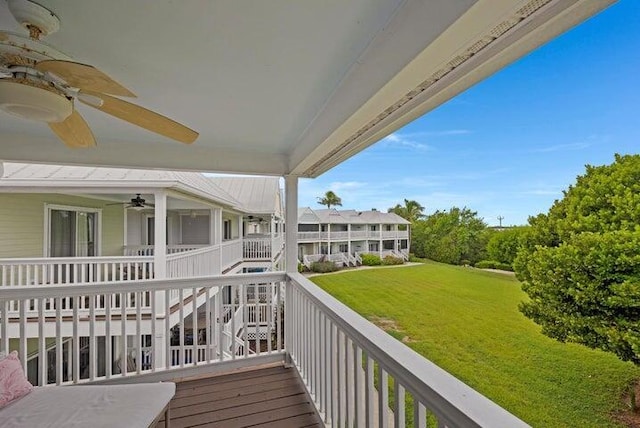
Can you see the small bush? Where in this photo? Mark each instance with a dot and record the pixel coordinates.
(486, 264)
(370, 260)
(414, 259)
(492, 264)
(504, 266)
(390, 260)
(323, 267)
(301, 267)
(465, 263)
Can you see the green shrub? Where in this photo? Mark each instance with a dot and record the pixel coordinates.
(504, 266)
(323, 267)
(370, 260)
(465, 263)
(301, 267)
(486, 264)
(414, 259)
(391, 260)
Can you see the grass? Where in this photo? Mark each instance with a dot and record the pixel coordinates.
(467, 322)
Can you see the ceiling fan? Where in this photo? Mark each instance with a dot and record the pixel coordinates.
(40, 83)
(136, 203)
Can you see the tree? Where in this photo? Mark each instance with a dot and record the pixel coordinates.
(580, 263)
(330, 199)
(453, 236)
(411, 211)
(503, 246)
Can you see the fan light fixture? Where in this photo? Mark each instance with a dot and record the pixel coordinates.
(33, 103)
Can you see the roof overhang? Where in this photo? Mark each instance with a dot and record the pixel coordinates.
(278, 87)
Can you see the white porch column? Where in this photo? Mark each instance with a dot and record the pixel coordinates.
(240, 227)
(349, 238)
(380, 240)
(272, 247)
(160, 272)
(291, 221)
(160, 235)
(212, 226)
(218, 233)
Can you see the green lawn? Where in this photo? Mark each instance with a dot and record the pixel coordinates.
(467, 321)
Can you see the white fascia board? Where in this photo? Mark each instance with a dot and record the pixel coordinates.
(543, 25)
(78, 186)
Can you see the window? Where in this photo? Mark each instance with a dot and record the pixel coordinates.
(387, 227)
(72, 232)
(343, 248)
(195, 229)
(374, 227)
(226, 229)
(373, 246)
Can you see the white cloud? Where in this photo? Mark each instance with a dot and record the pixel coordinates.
(563, 147)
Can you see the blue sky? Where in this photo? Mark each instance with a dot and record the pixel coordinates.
(509, 145)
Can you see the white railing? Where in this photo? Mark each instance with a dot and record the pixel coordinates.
(199, 262)
(355, 234)
(147, 250)
(350, 367)
(308, 236)
(256, 248)
(121, 343)
(339, 235)
(231, 253)
(341, 358)
(358, 258)
(71, 270)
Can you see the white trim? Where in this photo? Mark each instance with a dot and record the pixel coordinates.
(47, 223)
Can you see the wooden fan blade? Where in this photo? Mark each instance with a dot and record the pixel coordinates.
(143, 118)
(74, 131)
(84, 76)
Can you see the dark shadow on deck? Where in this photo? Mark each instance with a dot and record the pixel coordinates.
(268, 397)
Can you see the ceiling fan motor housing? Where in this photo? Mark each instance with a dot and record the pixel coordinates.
(30, 14)
(33, 103)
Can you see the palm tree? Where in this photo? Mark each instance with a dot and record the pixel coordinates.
(411, 210)
(330, 199)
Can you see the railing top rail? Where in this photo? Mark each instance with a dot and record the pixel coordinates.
(58, 260)
(230, 242)
(446, 395)
(10, 292)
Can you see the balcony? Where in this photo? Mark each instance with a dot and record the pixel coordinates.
(354, 235)
(152, 330)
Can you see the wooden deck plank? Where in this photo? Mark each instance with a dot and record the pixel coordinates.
(215, 388)
(269, 397)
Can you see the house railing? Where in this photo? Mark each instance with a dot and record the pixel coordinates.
(199, 262)
(147, 250)
(231, 253)
(71, 270)
(119, 342)
(342, 357)
(256, 248)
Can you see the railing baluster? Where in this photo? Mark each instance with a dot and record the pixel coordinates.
(42, 346)
(59, 341)
(93, 354)
(258, 312)
(220, 320)
(181, 326)
(124, 352)
(369, 392)
(358, 395)
(194, 325)
(399, 405)
(383, 398)
(138, 296)
(108, 351)
(76, 340)
(22, 340)
(167, 328)
(207, 310)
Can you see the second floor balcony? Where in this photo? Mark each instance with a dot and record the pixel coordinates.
(352, 235)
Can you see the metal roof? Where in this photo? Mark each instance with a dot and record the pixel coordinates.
(256, 194)
(308, 215)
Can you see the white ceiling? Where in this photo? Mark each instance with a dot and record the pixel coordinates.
(278, 86)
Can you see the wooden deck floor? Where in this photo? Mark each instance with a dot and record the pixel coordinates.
(269, 397)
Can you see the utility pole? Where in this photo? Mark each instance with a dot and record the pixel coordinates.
(500, 218)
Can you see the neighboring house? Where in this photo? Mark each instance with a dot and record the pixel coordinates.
(342, 235)
(68, 225)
